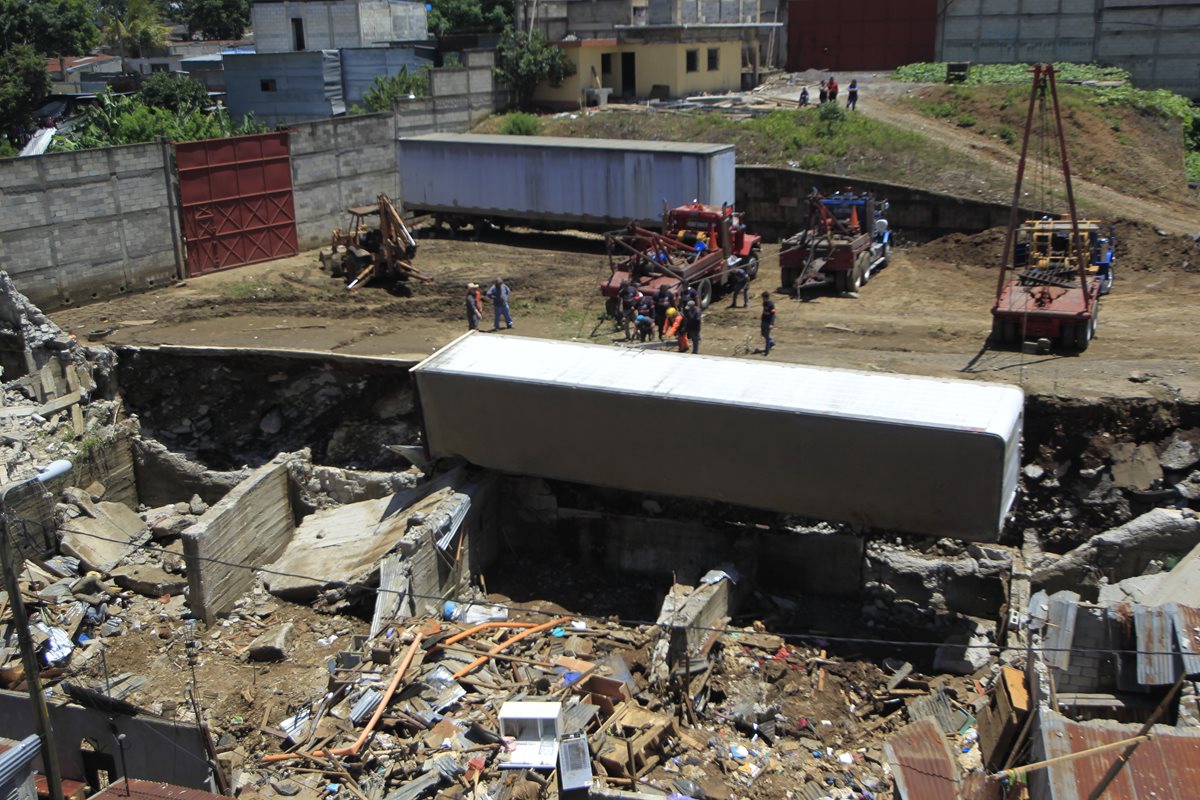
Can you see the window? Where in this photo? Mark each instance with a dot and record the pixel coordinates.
(267, 84)
(714, 59)
(693, 60)
(297, 33)
(160, 67)
(606, 63)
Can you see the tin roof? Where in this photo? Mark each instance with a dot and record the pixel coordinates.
(1166, 767)
(152, 790)
(1187, 634)
(1157, 661)
(498, 140)
(922, 762)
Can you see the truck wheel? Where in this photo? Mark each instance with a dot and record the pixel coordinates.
(752, 265)
(705, 292)
(841, 281)
(859, 277)
(1083, 336)
(1011, 332)
(1066, 336)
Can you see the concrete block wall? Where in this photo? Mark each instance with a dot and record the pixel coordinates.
(773, 199)
(88, 225)
(1155, 41)
(338, 163)
(250, 525)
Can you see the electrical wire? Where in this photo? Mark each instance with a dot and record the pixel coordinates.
(803, 636)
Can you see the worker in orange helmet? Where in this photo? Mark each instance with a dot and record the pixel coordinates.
(673, 324)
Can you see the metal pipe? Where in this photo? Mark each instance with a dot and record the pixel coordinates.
(33, 681)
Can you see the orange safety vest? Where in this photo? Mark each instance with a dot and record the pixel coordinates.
(672, 325)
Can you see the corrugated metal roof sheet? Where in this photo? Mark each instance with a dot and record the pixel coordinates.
(696, 148)
(152, 790)
(1060, 629)
(922, 762)
(1187, 634)
(1157, 663)
(904, 399)
(1165, 768)
(16, 758)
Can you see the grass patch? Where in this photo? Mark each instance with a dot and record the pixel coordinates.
(935, 72)
(518, 123)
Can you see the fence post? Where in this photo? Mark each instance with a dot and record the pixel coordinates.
(174, 211)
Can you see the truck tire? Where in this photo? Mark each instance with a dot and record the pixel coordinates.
(1083, 336)
(1012, 333)
(1066, 336)
(841, 281)
(859, 277)
(705, 291)
(752, 265)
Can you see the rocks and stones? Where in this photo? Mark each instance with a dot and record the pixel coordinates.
(272, 645)
(1135, 466)
(1181, 451)
(148, 580)
(166, 522)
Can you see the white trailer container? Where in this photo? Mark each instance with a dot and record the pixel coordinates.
(548, 181)
(894, 452)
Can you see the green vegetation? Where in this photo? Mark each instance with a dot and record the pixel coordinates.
(173, 92)
(89, 445)
(518, 123)
(216, 19)
(128, 120)
(387, 89)
(965, 120)
(132, 27)
(469, 16)
(1161, 102)
(23, 85)
(935, 72)
(527, 60)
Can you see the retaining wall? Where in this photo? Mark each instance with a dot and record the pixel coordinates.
(89, 225)
(773, 200)
(250, 525)
(338, 163)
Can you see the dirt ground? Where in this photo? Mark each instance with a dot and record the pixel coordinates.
(927, 313)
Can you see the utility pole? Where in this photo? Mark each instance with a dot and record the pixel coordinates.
(41, 714)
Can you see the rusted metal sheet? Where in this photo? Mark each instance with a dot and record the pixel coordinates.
(152, 790)
(1187, 634)
(922, 762)
(1157, 661)
(236, 198)
(867, 35)
(1166, 767)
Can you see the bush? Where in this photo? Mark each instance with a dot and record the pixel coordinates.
(386, 89)
(173, 92)
(518, 123)
(1008, 135)
(966, 120)
(832, 112)
(128, 120)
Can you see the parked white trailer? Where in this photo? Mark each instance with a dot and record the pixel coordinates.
(556, 182)
(894, 452)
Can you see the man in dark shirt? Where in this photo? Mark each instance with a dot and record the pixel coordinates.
(768, 321)
(692, 320)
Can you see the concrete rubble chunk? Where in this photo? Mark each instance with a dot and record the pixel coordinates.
(272, 645)
(101, 543)
(1121, 553)
(1182, 451)
(167, 522)
(148, 580)
(81, 499)
(1135, 466)
(196, 506)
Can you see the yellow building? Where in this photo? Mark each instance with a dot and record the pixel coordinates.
(649, 69)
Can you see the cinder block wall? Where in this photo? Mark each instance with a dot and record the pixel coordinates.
(88, 225)
(338, 163)
(250, 525)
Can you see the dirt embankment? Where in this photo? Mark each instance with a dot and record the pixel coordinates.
(1140, 247)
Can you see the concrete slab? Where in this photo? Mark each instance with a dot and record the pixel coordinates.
(101, 542)
(344, 544)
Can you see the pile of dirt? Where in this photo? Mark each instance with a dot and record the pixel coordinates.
(1140, 247)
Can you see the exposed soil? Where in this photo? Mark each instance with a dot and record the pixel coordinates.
(927, 313)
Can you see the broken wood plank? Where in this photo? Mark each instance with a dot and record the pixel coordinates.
(59, 404)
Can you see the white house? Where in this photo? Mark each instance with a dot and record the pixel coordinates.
(288, 26)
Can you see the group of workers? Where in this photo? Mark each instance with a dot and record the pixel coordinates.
(498, 293)
(828, 93)
(641, 315)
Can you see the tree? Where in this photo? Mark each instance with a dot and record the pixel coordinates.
(173, 92)
(469, 16)
(132, 27)
(217, 19)
(527, 60)
(52, 27)
(386, 89)
(23, 85)
(128, 120)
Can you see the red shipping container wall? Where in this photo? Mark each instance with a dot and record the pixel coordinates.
(867, 35)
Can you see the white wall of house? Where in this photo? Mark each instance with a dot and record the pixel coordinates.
(334, 24)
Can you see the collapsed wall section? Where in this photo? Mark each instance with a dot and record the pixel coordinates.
(249, 526)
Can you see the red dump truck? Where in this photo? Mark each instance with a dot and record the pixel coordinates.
(701, 246)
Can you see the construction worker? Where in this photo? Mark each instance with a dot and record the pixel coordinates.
(644, 325)
(689, 295)
(474, 306)
(740, 281)
(662, 301)
(768, 321)
(671, 324)
(499, 292)
(692, 321)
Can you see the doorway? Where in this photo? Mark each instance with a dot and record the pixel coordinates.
(628, 75)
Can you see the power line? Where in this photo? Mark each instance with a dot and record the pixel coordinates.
(805, 636)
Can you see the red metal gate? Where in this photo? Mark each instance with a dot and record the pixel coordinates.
(863, 35)
(236, 197)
